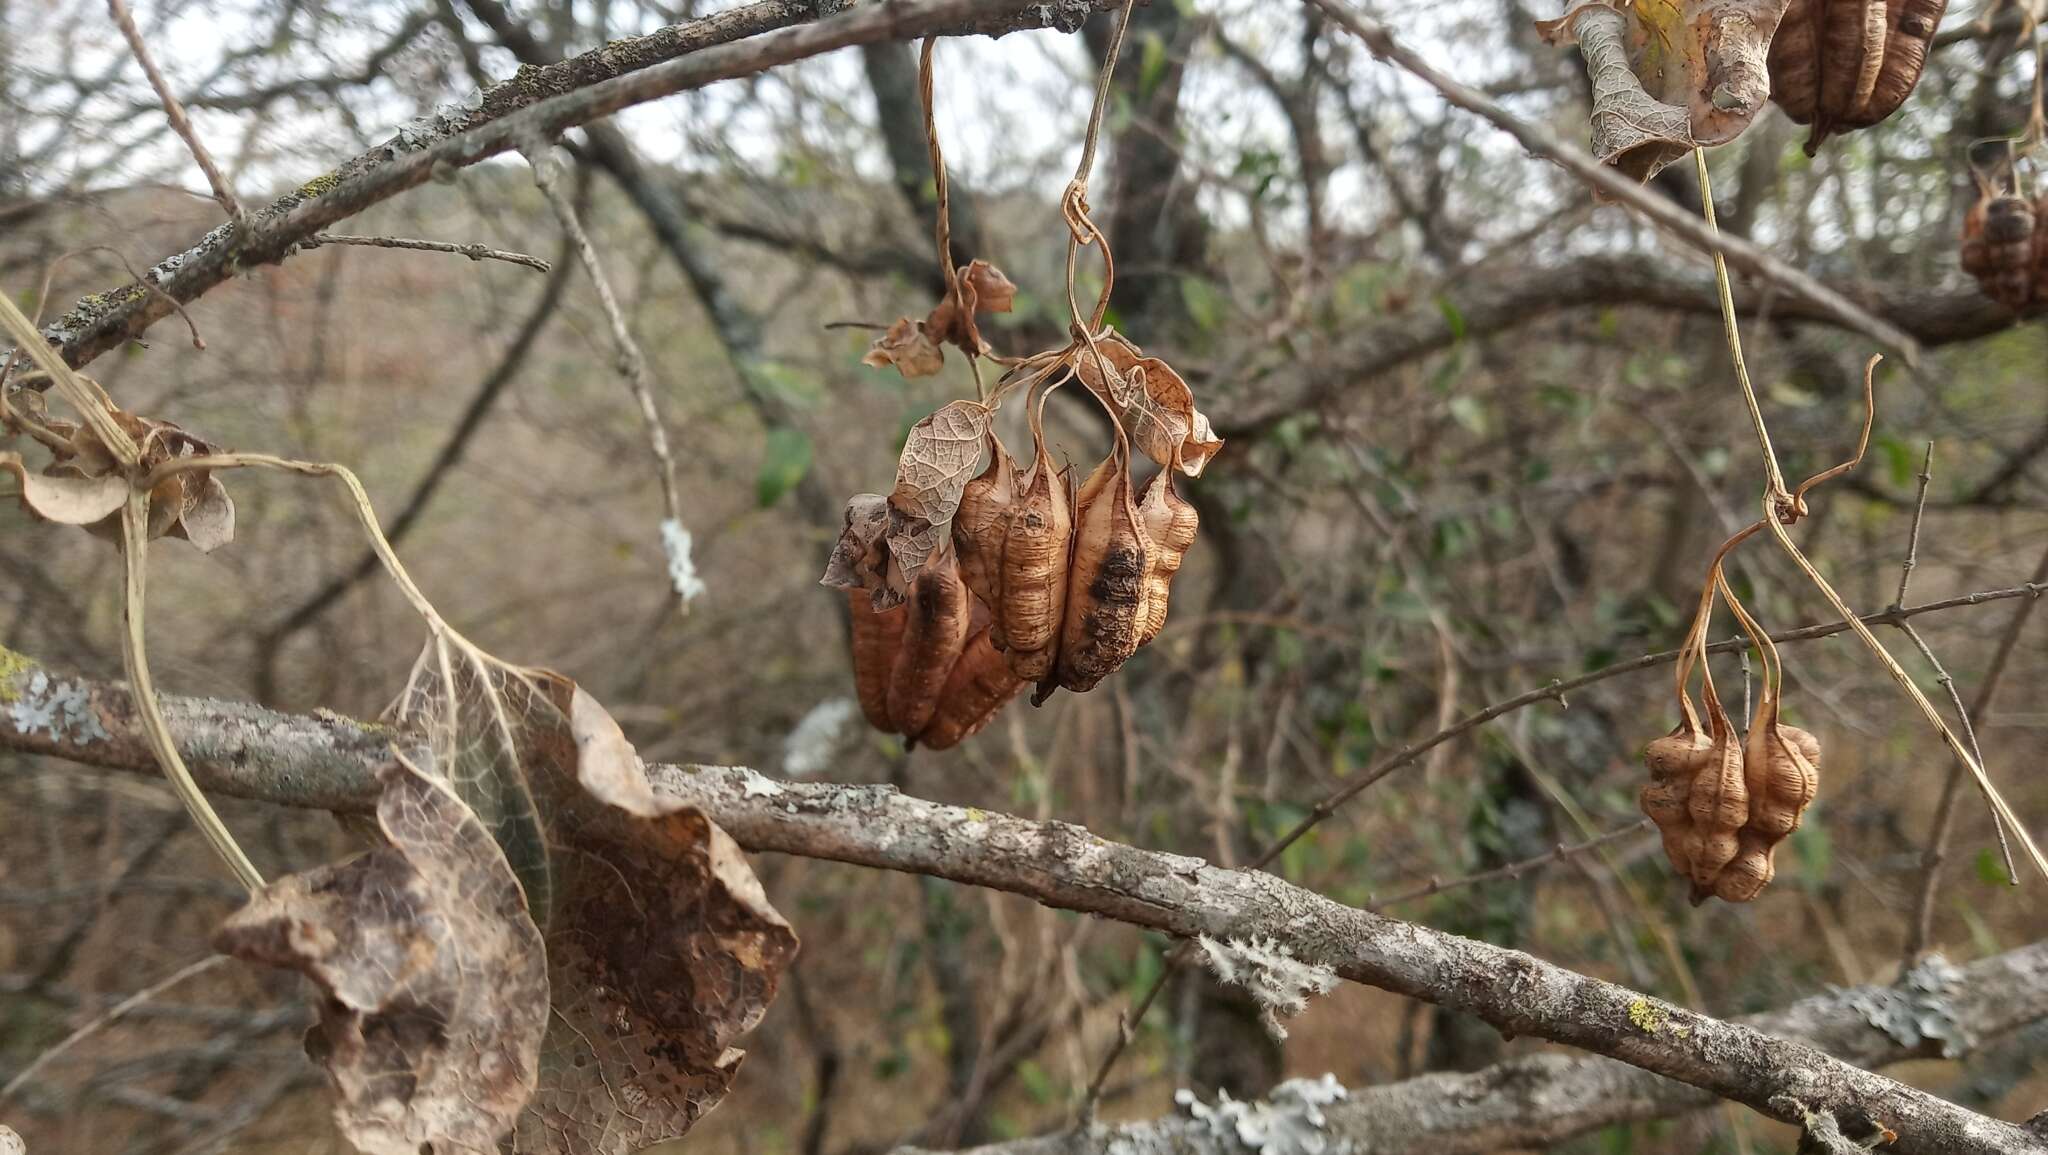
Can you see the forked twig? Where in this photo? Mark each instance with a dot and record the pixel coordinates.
(175, 113)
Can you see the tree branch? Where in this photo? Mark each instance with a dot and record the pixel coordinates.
(538, 103)
(330, 762)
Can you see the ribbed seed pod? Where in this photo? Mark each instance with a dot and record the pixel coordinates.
(2001, 238)
(1036, 549)
(1781, 766)
(877, 635)
(1105, 611)
(976, 690)
(1718, 804)
(1846, 64)
(936, 618)
(1170, 526)
(1674, 762)
(982, 522)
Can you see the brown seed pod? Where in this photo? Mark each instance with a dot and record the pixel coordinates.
(1674, 761)
(1036, 548)
(983, 520)
(1782, 766)
(1846, 64)
(2002, 240)
(976, 690)
(877, 635)
(1717, 804)
(1106, 583)
(1170, 526)
(936, 618)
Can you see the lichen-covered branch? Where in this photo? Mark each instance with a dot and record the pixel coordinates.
(242, 750)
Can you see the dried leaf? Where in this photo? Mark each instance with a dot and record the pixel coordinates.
(662, 948)
(941, 455)
(1669, 75)
(209, 518)
(433, 977)
(1156, 405)
(993, 292)
(67, 500)
(906, 348)
(860, 557)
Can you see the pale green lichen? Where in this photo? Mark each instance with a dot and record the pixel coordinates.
(12, 664)
(1650, 1018)
(318, 186)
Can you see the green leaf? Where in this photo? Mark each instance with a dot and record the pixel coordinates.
(784, 462)
(792, 385)
(1990, 868)
(1204, 302)
(1899, 459)
(1151, 65)
(1452, 317)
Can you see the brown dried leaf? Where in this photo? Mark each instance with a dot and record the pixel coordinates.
(209, 518)
(860, 558)
(906, 348)
(661, 946)
(1156, 405)
(66, 500)
(941, 455)
(433, 977)
(992, 291)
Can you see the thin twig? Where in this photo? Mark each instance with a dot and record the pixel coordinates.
(1541, 141)
(1558, 853)
(175, 113)
(107, 1018)
(1913, 534)
(474, 252)
(632, 363)
(1921, 930)
(1776, 495)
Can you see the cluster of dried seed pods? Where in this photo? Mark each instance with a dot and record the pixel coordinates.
(2005, 247)
(1723, 803)
(1840, 65)
(976, 575)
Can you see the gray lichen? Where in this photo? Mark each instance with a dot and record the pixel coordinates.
(61, 708)
(1279, 982)
(1918, 1008)
(1289, 1121)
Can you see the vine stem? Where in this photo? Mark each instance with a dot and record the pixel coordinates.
(134, 655)
(1773, 477)
(1779, 506)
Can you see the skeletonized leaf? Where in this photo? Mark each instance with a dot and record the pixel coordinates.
(433, 977)
(67, 500)
(1158, 407)
(907, 349)
(941, 455)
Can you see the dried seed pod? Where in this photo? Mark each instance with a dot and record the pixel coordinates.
(2001, 239)
(1674, 762)
(1717, 804)
(1781, 766)
(1170, 526)
(976, 690)
(983, 520)
(1036, 548)
(1846, 64)
(936, 618)
(877, 635)
(1106, 584)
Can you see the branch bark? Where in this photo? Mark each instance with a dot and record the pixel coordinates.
(537, 104)
(329, 762)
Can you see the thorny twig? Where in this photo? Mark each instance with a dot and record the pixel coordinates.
(474, 252)
(632, 363)
(175, 113)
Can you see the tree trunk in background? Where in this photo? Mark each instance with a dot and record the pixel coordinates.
(892, 76)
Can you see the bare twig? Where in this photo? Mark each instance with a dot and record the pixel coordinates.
(108, 1017)
(1559, 853)
(474, 252)
(1913, 534)
(1921, 930)
(1751, 258)
(632, 363)
(175, 113)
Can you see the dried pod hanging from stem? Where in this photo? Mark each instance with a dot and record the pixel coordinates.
(877, 636)
(1847, 64)
(1105, 611)
(1781, 765)
(1170, 525)
(2001, 237)
(937, 615)
(984, 519)
(976, 690)
(1036, 552)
